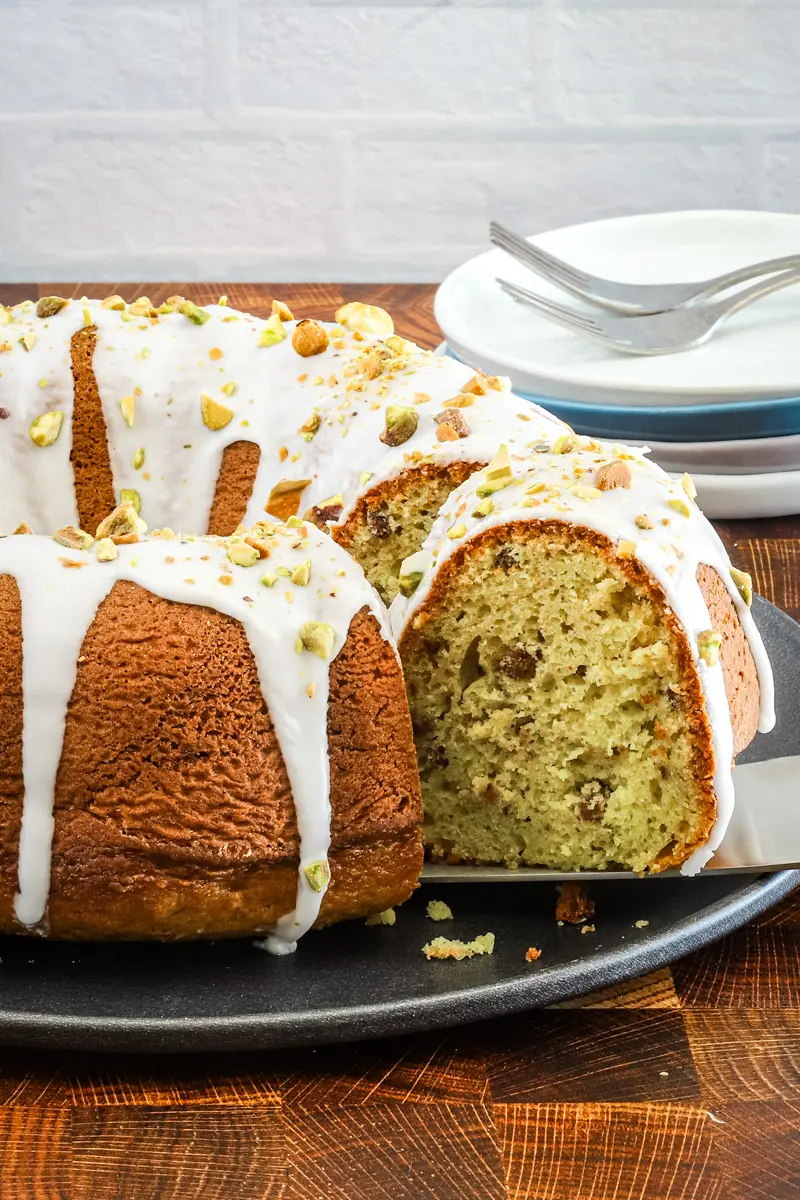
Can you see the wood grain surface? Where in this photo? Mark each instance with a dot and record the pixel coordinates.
(682, 1085)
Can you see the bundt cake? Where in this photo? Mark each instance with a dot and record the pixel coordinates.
(205, 417)
(197, 736)
(581, 664)
(207, 734)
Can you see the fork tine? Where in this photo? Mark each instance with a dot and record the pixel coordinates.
(568, 315)
(547, 263)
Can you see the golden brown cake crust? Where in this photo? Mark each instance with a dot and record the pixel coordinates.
(738, 666)
(738, 677)
(235, 482)
(94, 482)
(174, 815)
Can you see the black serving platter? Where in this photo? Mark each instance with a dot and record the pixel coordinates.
(353, 982)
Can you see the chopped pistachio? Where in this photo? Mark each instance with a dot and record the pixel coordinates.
(113, 302)
(88, 319)
(215, 415)
(283, 572)
(28, 341)
(243, 555)
(138, 459)
(365, 318)
(687, 483)
(483, 508)
(128, 406)
(583, 492)
(400, 345)
(48, 306)
(228, 388)
(412, 570)
(198, 316)
(680, 506)
(44, 430)
(364, 478)
(318, 875)
(106, 550)
(309, 428)
(123, 522)
(73, 538)
(744, 583)
(498, 474)
(129, 496)
(273, 332)
(144, 307)
(318, 638)
(643, 522)
(456, 531)
(268, 580)
(294, 522)
(281, 310)
(302, 573)
(708, 645)
(401, 424)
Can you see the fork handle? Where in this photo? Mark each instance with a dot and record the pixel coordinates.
(725, 308)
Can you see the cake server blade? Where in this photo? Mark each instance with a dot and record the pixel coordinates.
(764, 834)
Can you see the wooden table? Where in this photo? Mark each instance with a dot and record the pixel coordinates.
(683, 1084)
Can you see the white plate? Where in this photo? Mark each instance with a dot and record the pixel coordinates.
(731, 497)
(751, 457)
(756, 356)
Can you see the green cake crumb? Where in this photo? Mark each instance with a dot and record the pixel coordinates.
(387, 917)
(439, 911)
(442, 947)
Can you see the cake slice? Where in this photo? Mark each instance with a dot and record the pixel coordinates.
(581, 665)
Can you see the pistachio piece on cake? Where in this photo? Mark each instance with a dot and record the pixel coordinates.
(73, 538)
(744, 583)
(498, 474)
(412, 570)
(198, 316)
(215, 415)
(44, 430)
(273, 331)
(708, 645)
(317, 637)
(318, 874)
(48, 306)
(365, 318)
(401, 424)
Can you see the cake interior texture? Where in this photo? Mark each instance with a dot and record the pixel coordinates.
(555, 718)
(386, 528)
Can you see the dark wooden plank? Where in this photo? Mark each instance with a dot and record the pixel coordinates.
(656, 990)
(141, 1154)
(757, 1150)
(429, 1069)
(757, 967)
(746, 1054)
(394, 1152)
(612, 1056)
(607, 1152)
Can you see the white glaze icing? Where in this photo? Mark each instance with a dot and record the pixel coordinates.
(59, 604)
(168, 363)
(671, 551)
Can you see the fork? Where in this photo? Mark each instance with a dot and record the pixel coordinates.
(656, 333)
(630, 298)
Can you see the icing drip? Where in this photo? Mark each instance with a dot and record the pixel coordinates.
(678, 540)
(161, 368)
(59, 605)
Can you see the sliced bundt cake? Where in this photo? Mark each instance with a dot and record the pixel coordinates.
(581, 665)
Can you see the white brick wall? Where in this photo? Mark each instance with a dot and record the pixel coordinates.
(325, 139)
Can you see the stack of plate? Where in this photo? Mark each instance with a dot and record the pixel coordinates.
(728, 411)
